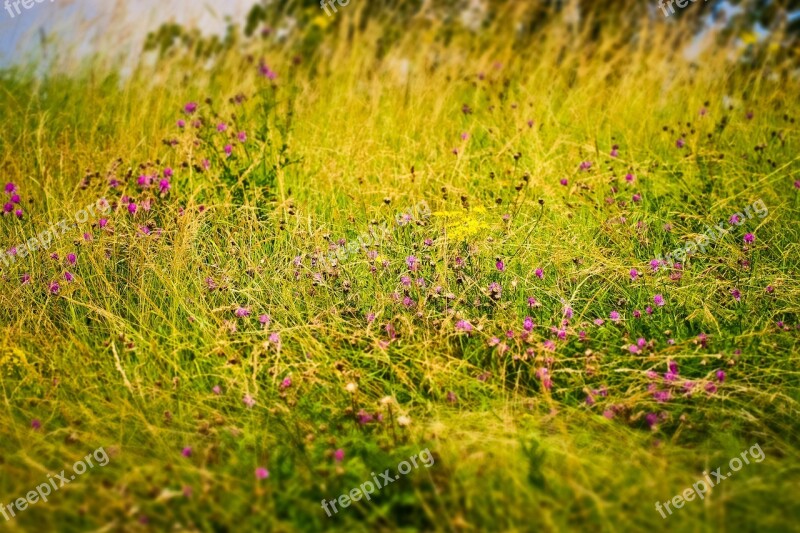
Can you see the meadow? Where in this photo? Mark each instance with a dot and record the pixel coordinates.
(319, 251)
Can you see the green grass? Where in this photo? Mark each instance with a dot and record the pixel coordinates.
(126, 355)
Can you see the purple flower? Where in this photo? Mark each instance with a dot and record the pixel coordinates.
(10, 188)
(164, 185)
(36, 424)
(54, 287)
(463, 325)
(720, 375)
(564, 182)
(262, 473)
(634, 274)
(338, 455)
(71, 259)
(228, 150)
(286, 383)
(680, 143)
(500, 265)
(242, 136)
(68, 276)
(528, 324)
(748, 237)
(614, 316)
(186, 452)
(539, 273)
(586, 165)
(132, 208)
(659, 300)
(242, 312)
(736, 294)
(190, 108)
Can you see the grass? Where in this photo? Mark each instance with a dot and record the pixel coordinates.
(355, 133)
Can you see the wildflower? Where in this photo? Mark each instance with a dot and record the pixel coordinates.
(564, 182)
(633, 349)
(568, 312)
(630, 178)
(599, 321)
(648, 310)
(274, 338)
(549, 345)
(659, 300)
(463, 325)
(637, 198)
(262, 473)
(181, 123)
(614, 151)
(528, 324)
(10, 188)
(495, 290)
(661, 396)
(654, 264)
(242, 136)
(748, 237)
(539, 273)
(68, 276)
(711, 388)
(338, 455)
(797, 184)
(264, 319)
(71, 259)
(286, 383)
(132, 208)
(720, 375)
(228, 150)
(500, 265)
(18, 213)
(265, 71)
(586, 165)
(222, 127)
(412, 263)
(637, 313)
(242, 312)
(190, 108)
(680, 143)
(164, 185)
(248, 401)
(186, 452)
(54, 287)
(634, 274)
(651, 419)
(25, 279)
(36, 424)
(15, 199)
(216, 390)
(736, 294)
(532, 302)
(614, 316)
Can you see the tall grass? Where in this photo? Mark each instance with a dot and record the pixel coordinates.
(364, 121)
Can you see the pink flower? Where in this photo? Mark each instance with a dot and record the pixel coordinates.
(164, 185)
(736, 294)
(132, 208)
(216, 390)
(242, 136)
(614, 316)
(228, 150)
(634, 274)
(248, 401)
(630, 178)
(286, 383)
(463, 325)
(586, 165)
(262, 473)
(748, 237)
(186, 452)
(563, 181)
(242, 312)
(190, 108)
(36, 424)
(54, 287)
(539, 273)
(222, 127)
(264, 319)
(659, 300)
(71, 259)
(338, 455)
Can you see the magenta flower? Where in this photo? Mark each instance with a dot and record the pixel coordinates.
(286, 383)
(190, 108)
(463, 325)
(54, 287)
(528, 324)
(264, 319)
(680, 143)
(614, 316)
(164, 185)
(720, 375)
(132, 208)
(748, 237)
(71, 259)
(659, 300)
(262, 473)
(586, 165)
(614, 151)
(265, 71)
(15, 199)
(68, 276)
(539, 273)
(181, 123)
(736, 294)
(186, 452)
(564, 182)
(412, 263)
(797, 184)
(242, 312)
(634, 274)
(599, 321)
(338, 455)
(630, 178)
(500, 265)
(216, 389)
(228, 150)
(222, 127)
(242, 136)
(633, 349)
(10, 188)
(36, 424)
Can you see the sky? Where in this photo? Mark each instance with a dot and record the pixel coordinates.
(90, 21)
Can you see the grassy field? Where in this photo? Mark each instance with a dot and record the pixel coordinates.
(311, 258)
